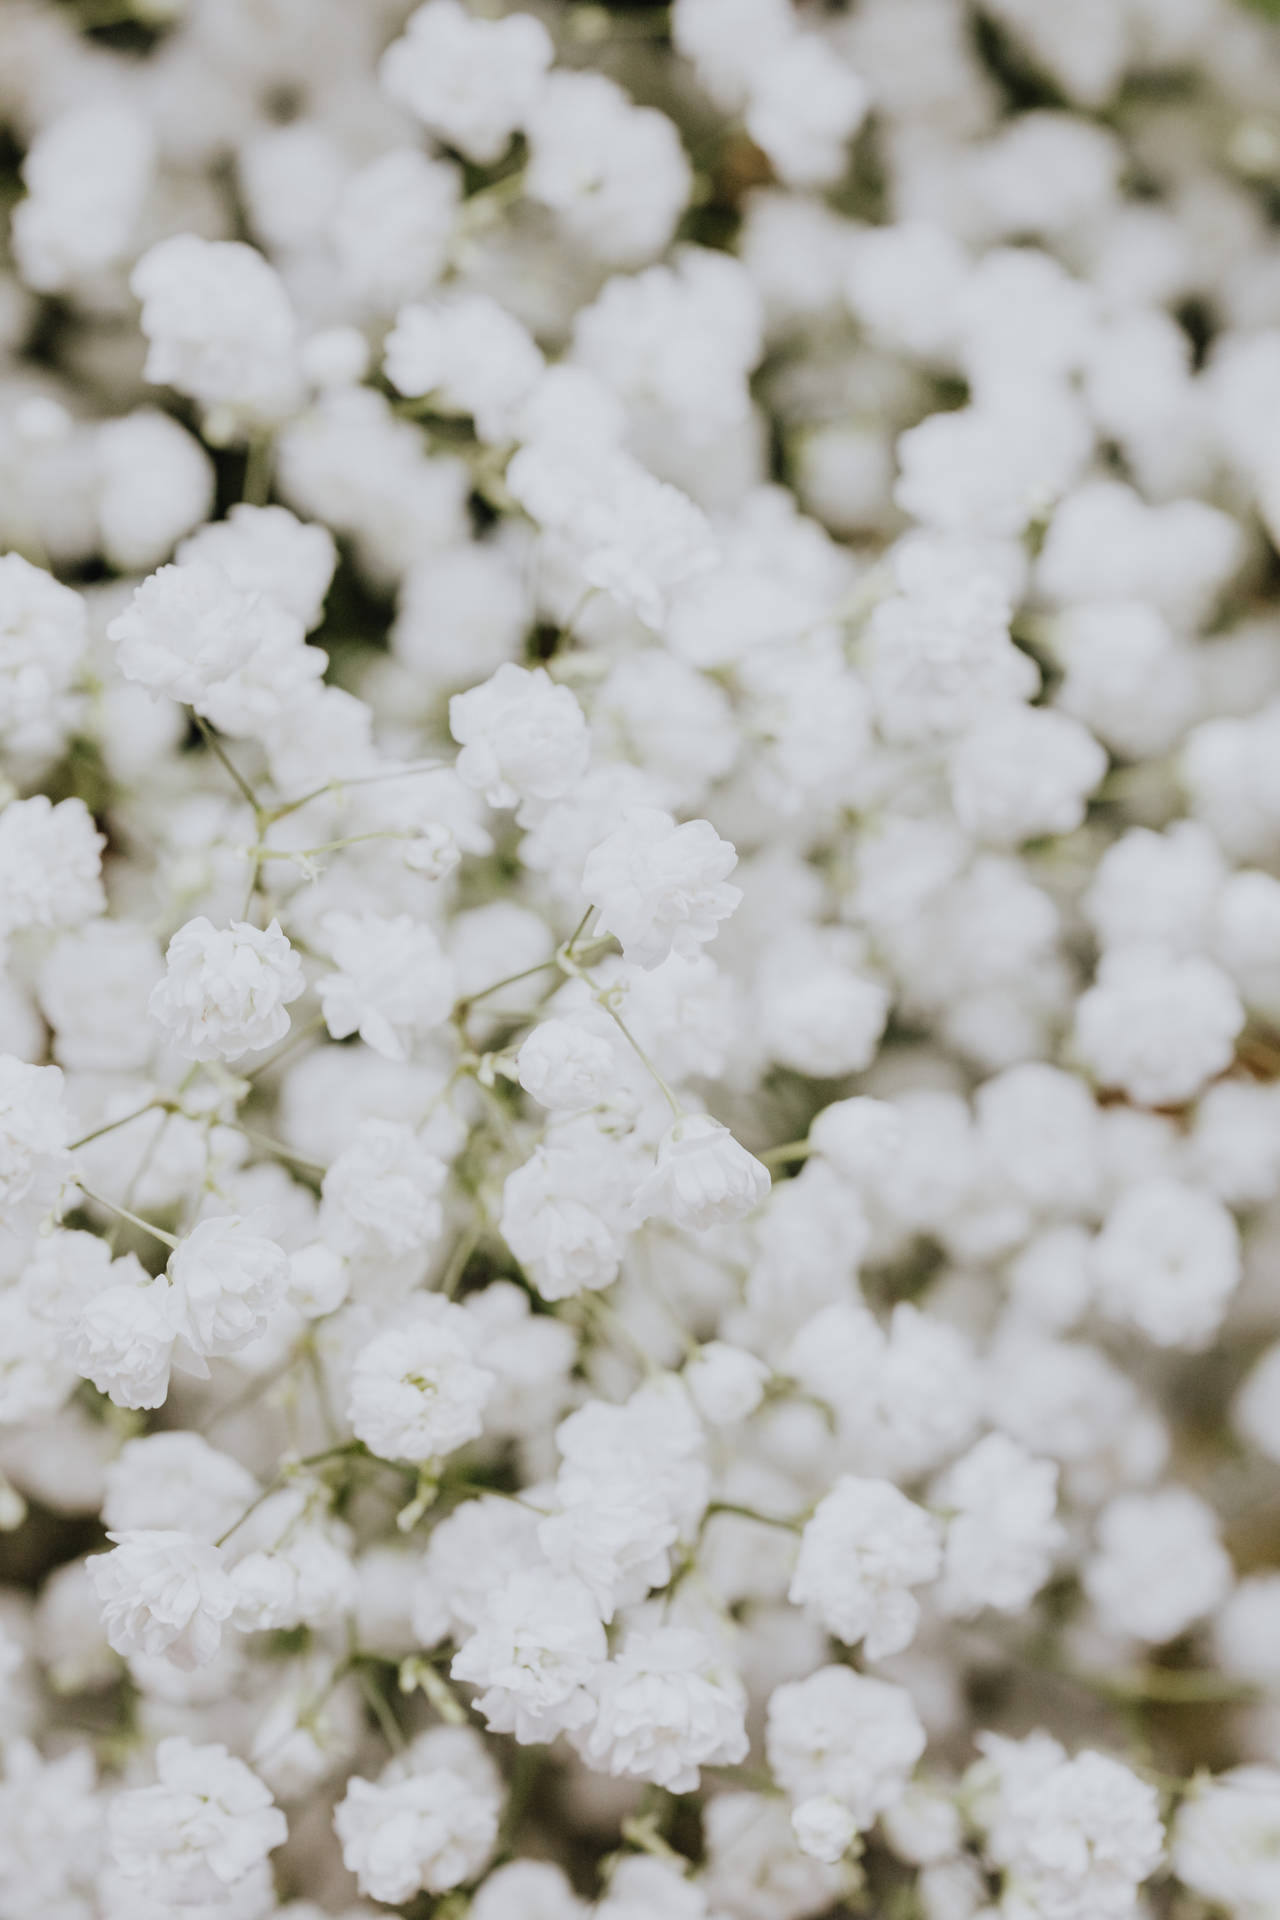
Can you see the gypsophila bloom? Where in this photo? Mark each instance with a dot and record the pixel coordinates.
(392, 983)
(34, 1132)
(1002, 1530)
(522, 738)
(233, 653)
(470, 81)
(1078, 1838)
(417, 1391)
(866, 1546)
(664, 1708)
(824, 1828)
(50, 865)
(563, 1064)
(380, 1193)
(661, 888)
(226, 990)
(841, 1736)
(1156, 1025)
(703, 1177)
(1159, 1564)
(123, 1340)
(220, 325)
(1223, 1840)
(640, 919)
(537, 1650)
(226, 1279)
(200, 1833)
(163, 1591)
(428, 1823)
(43, 636)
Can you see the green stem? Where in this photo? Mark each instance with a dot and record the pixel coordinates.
(280, 1152)
(1172, 1686)
(135, 1219)
(750, 1513)
(109, 1126)
(216, 747)
(257, 471)
(381, 1710)
(780, 1156)
(286, 807)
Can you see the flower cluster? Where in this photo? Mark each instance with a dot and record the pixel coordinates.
(639, 959)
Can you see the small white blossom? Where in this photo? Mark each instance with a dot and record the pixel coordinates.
(522, 737)
(470, 81)
(163, 1591)
(427, 1824)
(392, 982)
(201, 1834)
(226, 990)
(661, 888)
(417, 1391)
(227, 1278)
(703, 1177)
(866, 1546)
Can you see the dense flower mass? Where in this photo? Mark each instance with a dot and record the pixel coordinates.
(639, 959)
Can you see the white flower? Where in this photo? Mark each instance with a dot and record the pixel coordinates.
(176, 1479)
(635, 537)
(661, 888)
(227, 1279)
(123, 1341)
(470, 81)
(469, 355)
(1224, 1839)
(1158, 1025)
(824, 1828)
(804, 106)
(87, 173)
(535, 1889)
(665, 1707)
(563, 1219)
(702, 1177)
(392, 984)
(564, 1064)
(1159, 1566)
(1023, 772)
(522, 737)
(226, 990)
(416, 1390)
(1002, 1532)
(220, 325)
(615, 174)
(50, 864)
(200, 1834)
(163, 1592)
(860, 1554)
(1078, 1839)
(93, 987)
(1167, 1261)
(43, 636)
(235, 654)
(725, 1383)
(269, 551)
(380, 1196)
(641, 1887)
(428, 1824)
(536, 1651)
(50, 1832)
(34, 1128)
(860, 1137)
(842, 1736)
